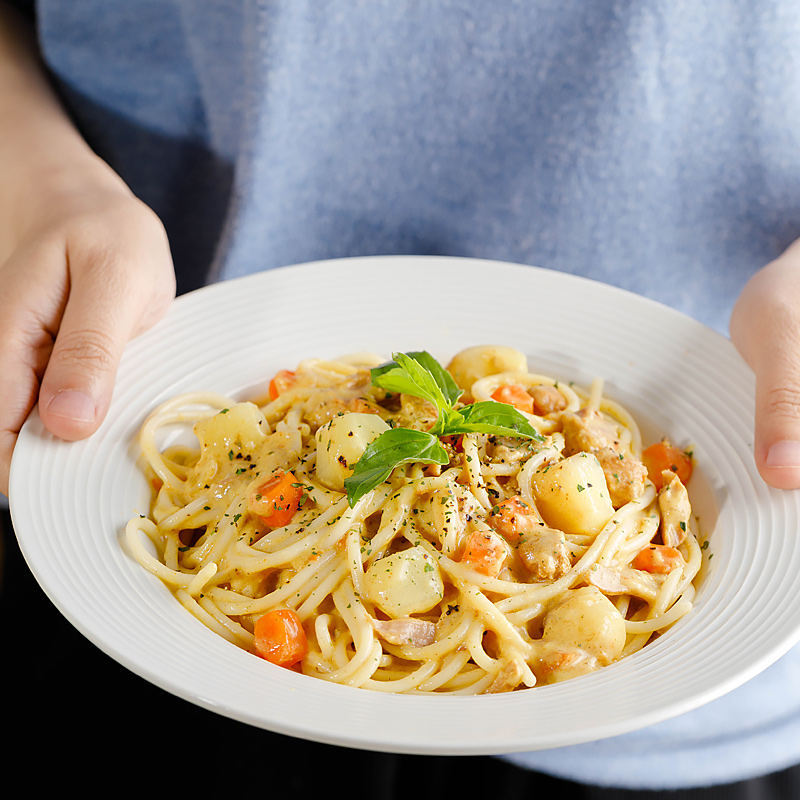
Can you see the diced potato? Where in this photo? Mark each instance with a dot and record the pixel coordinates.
(229, 439)
(474, 363)
(408, 582)
(242, 426)
(341, 442)
(572, 495)
(589, 620)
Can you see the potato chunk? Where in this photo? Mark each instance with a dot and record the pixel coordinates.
(408, 582)
(474, 363)
(341, 442)
(589, 620)
(243, 426)
(228, 439)
(572, 495)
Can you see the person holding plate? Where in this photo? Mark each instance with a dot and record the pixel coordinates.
(158, 146)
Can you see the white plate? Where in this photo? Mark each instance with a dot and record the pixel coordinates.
(70, 502)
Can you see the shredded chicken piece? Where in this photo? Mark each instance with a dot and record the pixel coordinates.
(588, 430)
(547, 400)
(545, 554)
(558, 662)
(673, 502)
(325, 404)
(407, 630)
(616, 580)
(509, 677)
(322, 408)
(359, 381)
(468, 505)
(511, 451)
(625, 476)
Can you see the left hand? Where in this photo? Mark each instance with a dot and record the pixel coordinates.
(765, 327)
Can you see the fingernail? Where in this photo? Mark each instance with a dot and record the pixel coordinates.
(784, 454)
(73, 405)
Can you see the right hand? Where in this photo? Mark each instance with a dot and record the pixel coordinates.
(81, 273)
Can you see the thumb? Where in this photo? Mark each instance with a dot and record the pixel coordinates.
(106, 307)
(765, 327)
(78, 383)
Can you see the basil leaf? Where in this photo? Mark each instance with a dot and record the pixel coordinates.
(426, 385)
(391, 449)
(418, 374)
(501, 419)
(444, 380)
(394, 378)
(447, 420)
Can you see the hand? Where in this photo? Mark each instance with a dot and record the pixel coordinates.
(88, 271)
(765, 327)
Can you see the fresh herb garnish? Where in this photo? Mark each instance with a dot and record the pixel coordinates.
(421, 375)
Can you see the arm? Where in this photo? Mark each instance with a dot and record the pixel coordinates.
(84, 265)
(765, 327)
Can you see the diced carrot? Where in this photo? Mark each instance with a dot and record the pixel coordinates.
(280, 638)
(665, 456)
(485, 552)
(658, 559)
(284, 379)
(277, 500)
(515, 396)
(512, 519)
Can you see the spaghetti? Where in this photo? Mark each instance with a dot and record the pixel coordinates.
(519, 560)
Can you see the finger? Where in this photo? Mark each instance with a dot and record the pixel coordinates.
(777, 426)
(108, 303)
(766, 329)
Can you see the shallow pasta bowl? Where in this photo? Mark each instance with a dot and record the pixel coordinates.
(677, 378)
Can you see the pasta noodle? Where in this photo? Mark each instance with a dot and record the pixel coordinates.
(520, 560)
